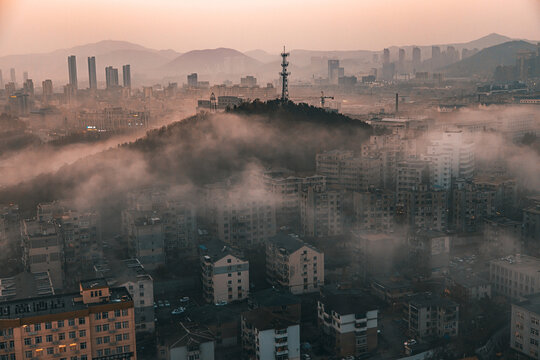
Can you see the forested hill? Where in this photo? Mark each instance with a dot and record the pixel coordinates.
(202, 149)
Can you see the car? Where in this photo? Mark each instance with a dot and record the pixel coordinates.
(178, 311)
(160, 303)
(306, 357)
(410, 342)
(350, 357)
(221, 303)
(185, 299)
(155, 305)
(167, 303)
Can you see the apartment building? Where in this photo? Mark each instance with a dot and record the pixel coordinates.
(347, 320)
(241, 217)
(132, 275)
(411, 174)
(95, 323)
(374, 210)
(145, 237)
(43, 250)
(502, 235)
(328, 164)
(525, 326)
(424, 208)
(293, 264)
(430, 315)
(429, 252)
(321, 212)
(224, 273)
(515, 276)
(375, 252)
(266, 336)
(286, 187)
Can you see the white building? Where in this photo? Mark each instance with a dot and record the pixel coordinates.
(294, 264)
(191, 342)
(525, 326)
(224, 273)
(515, 276)
(266, 336)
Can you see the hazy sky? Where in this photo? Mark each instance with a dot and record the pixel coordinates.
(44, 25)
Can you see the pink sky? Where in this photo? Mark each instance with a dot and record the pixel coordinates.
(38, 26)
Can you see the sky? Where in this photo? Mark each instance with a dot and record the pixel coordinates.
(29, 26)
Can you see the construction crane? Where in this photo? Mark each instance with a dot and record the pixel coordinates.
(325, 97)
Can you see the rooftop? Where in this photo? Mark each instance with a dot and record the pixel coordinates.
(55, 304)
(217, 249)
(428, 299)
(289, 242)
(91, 284)
(347, 301)
(262, 319)
(517, 262)
(531, 303)
(189, 334)
(25, 285)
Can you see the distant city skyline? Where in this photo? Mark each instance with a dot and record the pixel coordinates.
(267, 25)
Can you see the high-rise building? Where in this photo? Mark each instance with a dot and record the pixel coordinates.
(416, 58)
(111, 77)
(401, 59)
(333, 66)
(28, 87)
(126, 76)
(47, 90)
(386, 56)
(525, 325)
(92, 76)
(13, 76)
(97, 322)
(1, 80)
(25, 76)
(72, 68)
(192, 80)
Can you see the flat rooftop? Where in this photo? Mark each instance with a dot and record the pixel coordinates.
(521, 262)
(55, 304)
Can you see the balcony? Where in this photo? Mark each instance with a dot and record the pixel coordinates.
(282, 352)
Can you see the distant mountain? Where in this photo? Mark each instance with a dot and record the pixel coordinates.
(484, 42)
(262, 56)
(484, 62)
(212, 61)
(53, 65)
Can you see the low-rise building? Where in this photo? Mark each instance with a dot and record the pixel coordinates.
(391, 290)
(432, 316)
(468, 287)
(525, 326)
(347, 321)
(224, 273)
(25, 285)
(429, 252)
(515, 276)
(293, 264)
(187, 341)
(266, 336)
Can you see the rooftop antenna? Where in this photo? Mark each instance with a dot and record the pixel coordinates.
(284, 76)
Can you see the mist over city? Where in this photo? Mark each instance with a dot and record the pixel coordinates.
(297, 180)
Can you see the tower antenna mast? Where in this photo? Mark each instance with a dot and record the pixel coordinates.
(284, 76)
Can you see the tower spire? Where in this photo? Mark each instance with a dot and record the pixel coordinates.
(284, 76)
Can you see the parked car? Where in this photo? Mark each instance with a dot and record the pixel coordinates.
(178, 311)
(410, 342)
(185, 299)
(167, 303)
(221, 303)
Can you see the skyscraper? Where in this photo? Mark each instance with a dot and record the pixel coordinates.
(47, 90)
(192, 80)
(333, 66)
(13, 77)
(126, 75)
(92, 77)
(386, 56)
(111, 77)
(416, 57)
(25, 76)
(72, 68)
(1, 80)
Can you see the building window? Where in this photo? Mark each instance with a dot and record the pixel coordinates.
(27, 341)
(104, 315)
(28, 354)
(72, 335)
(117, 313)
(124, 312)
(50, 351)
(48, 325)
(83, 345)
(37, 327)
(125, 324)
(60, 323)
(82, 321)
(48, 338)
(61, 336)
(126, 336)
(82, 333)
(38, 340)
(71, 322)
